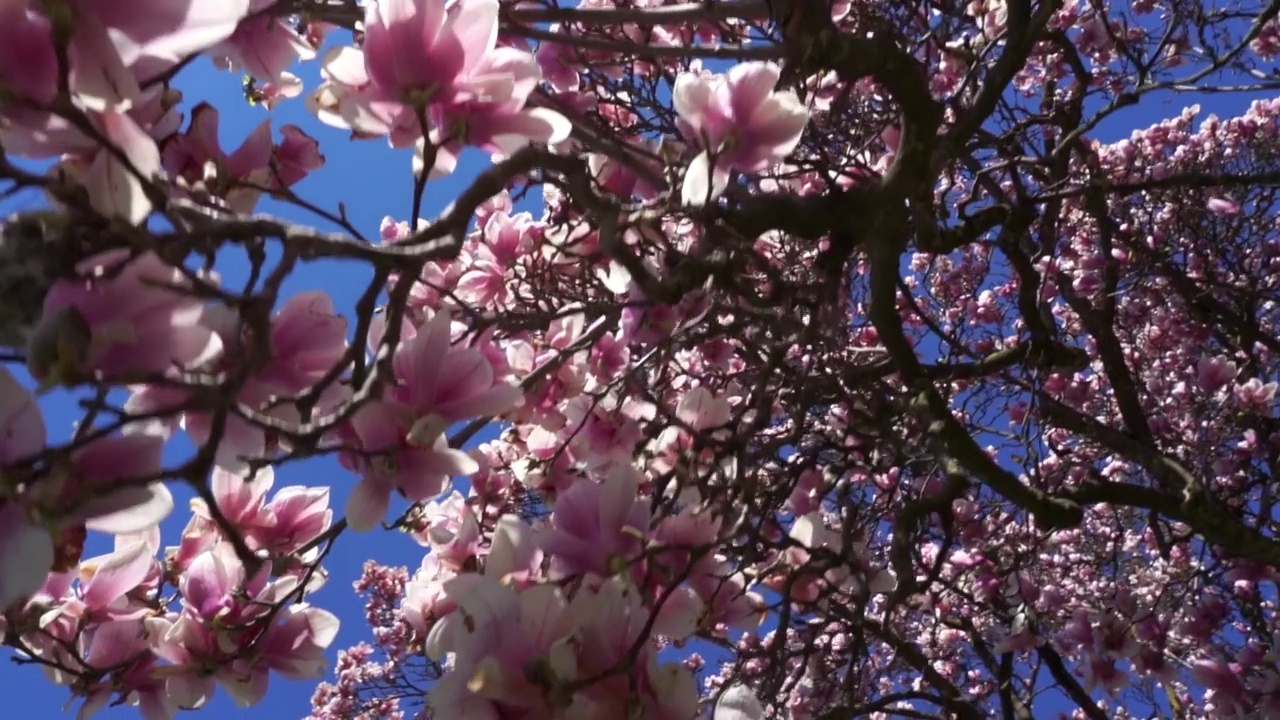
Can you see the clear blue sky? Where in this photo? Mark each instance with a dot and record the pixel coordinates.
(373, 181)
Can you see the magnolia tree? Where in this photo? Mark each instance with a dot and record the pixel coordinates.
(842, 371)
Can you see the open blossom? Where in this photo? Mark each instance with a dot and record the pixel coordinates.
(200, 657)
(400, 439)
(108, 39)
(113, 49)
(239, 178)
(265, 46)
(307, 339)
(293, 517)
(441, 61)
(100, 487)
(739, 122)
(114, 188)
(425, 51)
(416, 53)
(596, 527)
(124, 314)
(496, 119)
(497, 636)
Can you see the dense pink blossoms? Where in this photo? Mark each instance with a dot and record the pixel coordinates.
(787, 360)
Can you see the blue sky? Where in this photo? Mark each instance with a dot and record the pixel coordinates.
(372, 181)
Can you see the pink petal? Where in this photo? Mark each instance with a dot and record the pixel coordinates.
(346, 65)
(240, 498)
(692, 97)
(131, 510)
(22, 429)
(475, 25)
(398, 36)
(115, 642)
(99, 77)
(509, 133)
(113, 188)
(381, 425)
(513, 548)
(189, 690)
(246, 686)
(28, 64)
(702, 183)
(776, 128)
(748, 86)
(116, 574)
(1222, 206)
(420, 362)
(26, 556)
(368, 503)
(170, 29)
(680, 614)
(253, 154)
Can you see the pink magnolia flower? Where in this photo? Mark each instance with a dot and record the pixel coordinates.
(294, 158)
(101, 487)
(596, 527)
(739, 122)
(608, 617)
(307, 339)
(114, 188)
(1256, 395)
(293, 517)
(512, 649)
(180, 639)
(294, 645)
(559, 63)
(135, 679)
(107, 582)
(514, 557)
(104, 485)
(1214, 373)
(444, 59)
(416, 53)
(425, 51)
(264, 46)
(425, 601)
(700, 411)
(347, 98)
(400, 439)
(124, 315)
(495, 119)
(218, 592)
(28, 74)
(196, 158)
(108, 39)
(201, 657)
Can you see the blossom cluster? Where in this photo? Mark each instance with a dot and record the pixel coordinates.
(859, 376)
